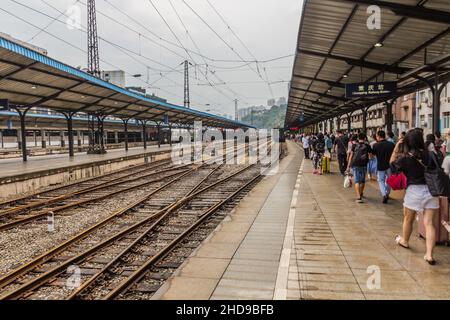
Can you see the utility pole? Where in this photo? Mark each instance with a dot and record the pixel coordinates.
(236, 117)
(93, 56)
(187, 102)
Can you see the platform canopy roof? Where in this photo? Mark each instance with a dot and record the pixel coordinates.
(335, 47)
(30, 79)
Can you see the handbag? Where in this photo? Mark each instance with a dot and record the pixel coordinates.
(437, 180)
(397, 181)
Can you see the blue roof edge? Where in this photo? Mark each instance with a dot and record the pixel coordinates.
(34, 55)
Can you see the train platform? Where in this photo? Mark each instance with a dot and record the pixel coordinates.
(301, 236)
(18, 177)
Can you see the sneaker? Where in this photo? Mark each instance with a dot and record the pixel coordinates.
(360, 200)
(385, 199)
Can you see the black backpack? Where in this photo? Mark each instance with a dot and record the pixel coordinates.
(361, 155)
(437, 180)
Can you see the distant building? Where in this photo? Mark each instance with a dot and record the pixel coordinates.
(24, 44)
(138, 90)
(281, 101)
(143, 92)
(247, 111)
(116, 77)
(271, 102)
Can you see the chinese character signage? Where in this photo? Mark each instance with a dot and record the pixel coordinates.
(370, 89)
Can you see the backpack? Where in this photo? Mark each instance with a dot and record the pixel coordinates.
(361, 155)
(320, 146)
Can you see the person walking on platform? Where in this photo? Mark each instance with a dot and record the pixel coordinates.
(383, 151)
(447, 143)
(358, 160)
(340, 148)
(372, 166)
(305, 143)
(417, 196)
(329, 144)
(318, 145)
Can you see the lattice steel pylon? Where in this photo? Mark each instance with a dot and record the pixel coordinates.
(93, 56)
(187, 102)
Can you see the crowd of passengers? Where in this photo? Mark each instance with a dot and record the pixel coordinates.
(395, 162)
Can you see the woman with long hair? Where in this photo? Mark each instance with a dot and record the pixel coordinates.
(417, 196)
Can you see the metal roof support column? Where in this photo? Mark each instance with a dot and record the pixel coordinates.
(125, 127)
(338, 123)
(144, 133)
(170, 134)
(69, 118)
(158, 127)
(70, 135)
(101, 133)
(436, 91)
(364, 120)
(349, 122)
(23, 133)
(389, 115)
(436, 104)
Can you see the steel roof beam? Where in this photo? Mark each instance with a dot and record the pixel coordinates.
(320, 94)
(53, 96)
(331, 83)
(356, 62)
(86, 106)
(408, 11)
(21, 68)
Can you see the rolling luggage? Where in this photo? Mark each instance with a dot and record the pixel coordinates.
(326, 165)
(441, 233)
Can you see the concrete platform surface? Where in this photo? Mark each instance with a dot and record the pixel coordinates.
(301, 236)
(13, 167)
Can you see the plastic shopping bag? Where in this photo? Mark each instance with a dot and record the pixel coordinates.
(348, 181)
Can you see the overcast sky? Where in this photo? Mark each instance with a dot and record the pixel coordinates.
(130, 33)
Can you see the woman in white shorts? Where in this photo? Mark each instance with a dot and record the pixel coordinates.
(417, 197)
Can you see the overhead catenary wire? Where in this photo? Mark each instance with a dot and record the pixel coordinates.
(198, 49)
(181, 44)
(76, 47)
(124, 50)
(225, 42)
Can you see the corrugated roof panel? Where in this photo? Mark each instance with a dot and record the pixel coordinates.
(320, 26)
(15, 54)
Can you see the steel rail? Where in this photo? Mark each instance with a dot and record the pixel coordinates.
(12, 276)
(74, 183)
(141, 271)
(43, 278)
(102, 185)
(86, 284)
(11, 224)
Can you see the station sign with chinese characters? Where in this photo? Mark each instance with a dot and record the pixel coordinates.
(370, 89)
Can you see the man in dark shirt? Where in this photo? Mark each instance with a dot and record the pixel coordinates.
(359, 158)
(340, 148)
(383, 150)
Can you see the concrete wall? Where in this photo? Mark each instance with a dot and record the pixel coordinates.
(30, 183)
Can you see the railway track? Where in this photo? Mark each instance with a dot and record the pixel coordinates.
(58, 190)
(39, 209)
(131, 222)
(127, 255)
